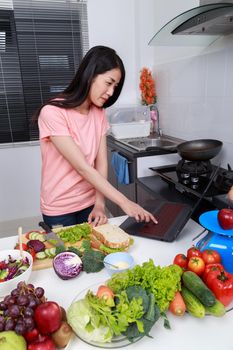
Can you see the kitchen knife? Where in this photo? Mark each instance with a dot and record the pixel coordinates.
(51, 236)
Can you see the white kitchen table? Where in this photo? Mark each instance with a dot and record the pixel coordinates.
(186, 332)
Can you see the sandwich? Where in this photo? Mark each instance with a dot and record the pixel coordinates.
(110, 239)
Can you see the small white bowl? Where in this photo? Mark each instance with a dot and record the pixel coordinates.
(7, 286)
(122, 260)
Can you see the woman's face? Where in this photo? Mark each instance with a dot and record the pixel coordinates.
(103, 86)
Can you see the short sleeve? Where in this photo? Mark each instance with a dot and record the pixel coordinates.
(53, 122)
(105, 124)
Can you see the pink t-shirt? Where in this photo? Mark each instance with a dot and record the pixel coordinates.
(63, 190)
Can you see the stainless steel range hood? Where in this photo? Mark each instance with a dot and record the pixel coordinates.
(199, 26)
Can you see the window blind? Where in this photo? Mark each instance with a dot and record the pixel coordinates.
(41, 45)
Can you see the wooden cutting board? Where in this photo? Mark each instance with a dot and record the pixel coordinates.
(48, 262)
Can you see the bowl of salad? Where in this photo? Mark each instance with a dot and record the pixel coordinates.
(13, 269)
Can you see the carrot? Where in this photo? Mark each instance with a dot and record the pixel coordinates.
(177, 305)
(105, 292)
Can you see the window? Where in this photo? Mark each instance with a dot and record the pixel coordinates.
(41, 45)
(3, 41)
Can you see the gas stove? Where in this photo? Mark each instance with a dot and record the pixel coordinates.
(193, 177)
(193, 174)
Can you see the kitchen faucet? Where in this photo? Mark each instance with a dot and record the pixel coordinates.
(154, 115)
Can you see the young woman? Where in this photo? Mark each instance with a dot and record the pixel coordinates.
(73, 130)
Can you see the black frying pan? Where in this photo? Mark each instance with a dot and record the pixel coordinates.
(198, 150)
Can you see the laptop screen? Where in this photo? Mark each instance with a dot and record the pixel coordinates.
(172, 217)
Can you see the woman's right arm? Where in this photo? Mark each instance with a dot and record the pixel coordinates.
(71, 152)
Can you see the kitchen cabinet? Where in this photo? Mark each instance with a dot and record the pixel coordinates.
(139, 163)
(128, 190)
(144, 197)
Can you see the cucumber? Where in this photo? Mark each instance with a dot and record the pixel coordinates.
(41, 255)
(195, 284)
(32, 235)
(47, 253)
(193, 304)
(36, 235)
(50, 252)
(218, 309)
(23, 268)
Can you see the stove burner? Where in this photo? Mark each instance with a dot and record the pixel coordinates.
(189, 172)
(194, 168)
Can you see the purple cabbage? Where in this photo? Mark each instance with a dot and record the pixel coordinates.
(37, 245)
(67, 265)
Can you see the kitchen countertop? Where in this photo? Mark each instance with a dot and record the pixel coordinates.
(193, 333)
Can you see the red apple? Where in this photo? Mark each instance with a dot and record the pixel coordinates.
(225, 218)
(43, 343)
(48, 317)
(32, 335)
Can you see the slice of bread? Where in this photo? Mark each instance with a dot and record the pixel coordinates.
(112, 236)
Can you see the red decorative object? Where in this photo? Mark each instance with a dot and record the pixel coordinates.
(147, 87)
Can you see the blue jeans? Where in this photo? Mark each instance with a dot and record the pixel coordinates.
(68, 219)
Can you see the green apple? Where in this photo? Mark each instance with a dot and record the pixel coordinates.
(9, 340)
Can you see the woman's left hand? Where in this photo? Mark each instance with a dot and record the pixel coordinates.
(97, 216)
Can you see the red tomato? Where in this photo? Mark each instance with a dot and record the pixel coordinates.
(211, 267)
(181, 260)
(24, 246)
(193, 252)
(221, 284)
(29, 250)
(211, 256)
(196, 265)
(32, 252)
(3, 265)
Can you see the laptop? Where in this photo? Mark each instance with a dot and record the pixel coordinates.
(172, 217)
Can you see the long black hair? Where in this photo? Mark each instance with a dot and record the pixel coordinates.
(98, 60)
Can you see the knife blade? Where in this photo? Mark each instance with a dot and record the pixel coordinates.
(51, 236)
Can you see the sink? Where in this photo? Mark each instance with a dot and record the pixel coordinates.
(145, 143)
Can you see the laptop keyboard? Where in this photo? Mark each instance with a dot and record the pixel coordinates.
(166, 216)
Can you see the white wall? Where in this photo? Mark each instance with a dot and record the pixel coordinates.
(20, 182)
(195, 94)
(196, 97)
(194, 85)
(112, 23)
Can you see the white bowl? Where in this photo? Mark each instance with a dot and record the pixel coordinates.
(122, 260)
(7, 286)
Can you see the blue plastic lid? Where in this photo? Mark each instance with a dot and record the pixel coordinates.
(209, 220)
